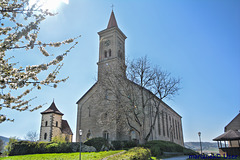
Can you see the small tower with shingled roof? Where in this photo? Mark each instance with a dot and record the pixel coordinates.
(53, 125)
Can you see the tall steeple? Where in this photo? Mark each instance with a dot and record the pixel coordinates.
(111, 48)
(112, 21)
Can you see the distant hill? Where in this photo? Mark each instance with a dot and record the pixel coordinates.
(207, 147)
(5, 139)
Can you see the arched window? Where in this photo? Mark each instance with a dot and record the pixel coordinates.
(106, 135)
(56, 123)
(133, 135)
(119, 54)
(46, 123)
(105, 54)
(89, 134)
(45, 136)
(110, 52)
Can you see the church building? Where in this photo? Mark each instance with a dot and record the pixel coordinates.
(53, 125)
(94, 116)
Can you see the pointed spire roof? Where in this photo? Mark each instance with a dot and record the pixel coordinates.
(112, 21)
(52, 109)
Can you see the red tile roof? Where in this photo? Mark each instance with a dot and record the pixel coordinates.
(66, 128)
(112, 21)
(52, 109)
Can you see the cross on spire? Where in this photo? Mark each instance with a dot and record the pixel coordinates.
(112, 6)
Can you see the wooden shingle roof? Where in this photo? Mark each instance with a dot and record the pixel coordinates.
(52, 109)
(229, 135)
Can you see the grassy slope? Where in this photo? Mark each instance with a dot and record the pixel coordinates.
(63, 156)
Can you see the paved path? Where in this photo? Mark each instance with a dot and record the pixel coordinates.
(177, 158)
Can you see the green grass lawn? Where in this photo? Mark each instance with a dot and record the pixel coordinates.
(63, 156)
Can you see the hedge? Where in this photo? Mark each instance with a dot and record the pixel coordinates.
(27, 147)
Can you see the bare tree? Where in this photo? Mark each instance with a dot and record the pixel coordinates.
(138, 94)
(19, 32)
(31, 136)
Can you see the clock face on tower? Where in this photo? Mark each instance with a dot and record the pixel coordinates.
(107, 43)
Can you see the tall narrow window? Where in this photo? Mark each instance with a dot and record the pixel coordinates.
(159, 125)
(176, 129)
(119, 54)
(105, 54)
(45, 136)
(163, 123)
(106, 135)
(110, 52)
(46, 123)
(179, 134)
(89, 111)
(56, 123)
(167, 125)
(173, 128)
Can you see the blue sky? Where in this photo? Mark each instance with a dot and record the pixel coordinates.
(198, 41)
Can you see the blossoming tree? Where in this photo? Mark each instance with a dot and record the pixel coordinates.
(19, 32)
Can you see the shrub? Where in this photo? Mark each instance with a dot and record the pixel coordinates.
(52, 148)
(134, 154)
(124, 144)
(22, 147)
(130, 144)
(59, 139)
(187, 151)
(117, 145)
(41, 147)
(157, 148)
(98, 143)
(8, 147)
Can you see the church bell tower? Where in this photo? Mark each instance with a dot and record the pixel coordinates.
(111, 49)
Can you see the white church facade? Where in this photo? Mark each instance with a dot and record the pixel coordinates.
(94, 116)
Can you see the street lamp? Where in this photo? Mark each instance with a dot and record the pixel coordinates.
(199, 134)
(80, 133)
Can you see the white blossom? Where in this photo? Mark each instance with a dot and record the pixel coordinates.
(44, 52)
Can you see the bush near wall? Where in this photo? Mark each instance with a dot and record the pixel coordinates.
(117, 145)
(158, 147)
(133, 154)
(99, 143)
(27, 147)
